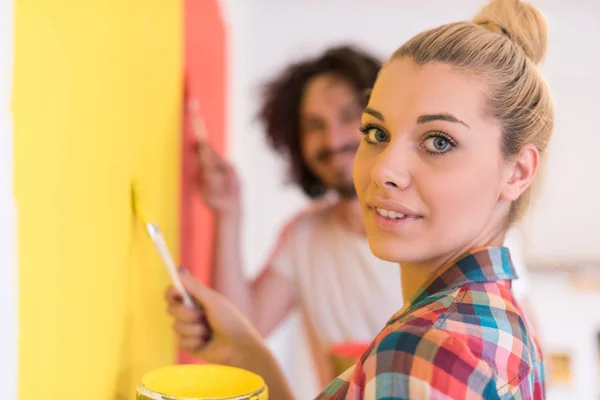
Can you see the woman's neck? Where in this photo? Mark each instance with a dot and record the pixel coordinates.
(415, 275)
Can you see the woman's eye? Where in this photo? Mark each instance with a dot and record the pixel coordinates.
(375, 135)
(438, 144)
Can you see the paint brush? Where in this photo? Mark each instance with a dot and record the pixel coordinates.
(158, 239)
(192, 111)
(197, 123)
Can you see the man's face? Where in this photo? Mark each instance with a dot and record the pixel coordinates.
(330, 113)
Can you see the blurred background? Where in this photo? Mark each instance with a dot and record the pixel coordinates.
(91, 100)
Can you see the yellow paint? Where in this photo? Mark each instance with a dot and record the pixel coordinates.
(96, 105)
(136, 205)
(203, 382)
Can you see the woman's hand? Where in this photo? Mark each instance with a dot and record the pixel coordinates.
(217, 332)
(214, 330)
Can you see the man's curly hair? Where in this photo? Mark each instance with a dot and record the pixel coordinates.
(280, 111)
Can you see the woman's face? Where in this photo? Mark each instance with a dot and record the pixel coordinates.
(430, 176)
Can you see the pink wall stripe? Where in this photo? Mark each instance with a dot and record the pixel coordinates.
(205, 63)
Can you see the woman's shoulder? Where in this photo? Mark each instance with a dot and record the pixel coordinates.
(420, 362)
(456, 345)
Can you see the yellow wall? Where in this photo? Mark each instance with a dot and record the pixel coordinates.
(96, 103)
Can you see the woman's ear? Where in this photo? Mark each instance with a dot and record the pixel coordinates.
(520, 172)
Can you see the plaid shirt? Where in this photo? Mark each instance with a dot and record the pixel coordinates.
(461, 337)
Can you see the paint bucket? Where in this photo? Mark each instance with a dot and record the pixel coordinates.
(346, 354)
(201, 382)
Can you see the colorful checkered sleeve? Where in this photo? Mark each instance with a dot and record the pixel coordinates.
(417, 364)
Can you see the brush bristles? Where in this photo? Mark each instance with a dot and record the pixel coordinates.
(135, 205)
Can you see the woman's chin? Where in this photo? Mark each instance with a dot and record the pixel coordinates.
(394, 249)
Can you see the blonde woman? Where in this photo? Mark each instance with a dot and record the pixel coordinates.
(455, 131)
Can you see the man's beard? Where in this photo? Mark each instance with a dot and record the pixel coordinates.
(346, 191)
(342, 182)
(344, 187)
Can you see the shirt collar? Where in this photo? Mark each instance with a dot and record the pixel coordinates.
(487, 264)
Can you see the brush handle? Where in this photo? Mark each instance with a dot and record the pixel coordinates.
(197, 123)
(159, 241)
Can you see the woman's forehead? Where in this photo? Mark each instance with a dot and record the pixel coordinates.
(404, 88)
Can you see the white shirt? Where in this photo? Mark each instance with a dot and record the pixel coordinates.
(347, 293)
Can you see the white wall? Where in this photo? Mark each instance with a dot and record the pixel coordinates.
(8, 241)
(568, 321)
(565, 223)
(267, 34)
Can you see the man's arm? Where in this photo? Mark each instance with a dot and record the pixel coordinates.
(267, 300)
